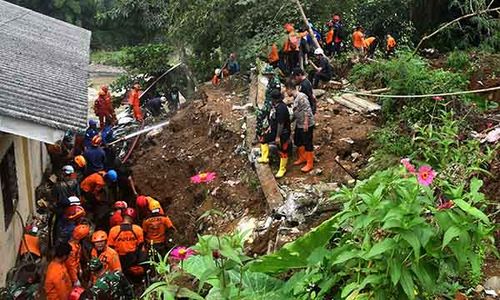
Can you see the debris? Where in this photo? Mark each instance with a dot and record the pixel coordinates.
(479, 289)
(154, 132)
(232, 183)
(492, 136)
(366, 105)
(318, 93)
(355, 156)
(317, 172)
(247, 225)
(347, 140)
(242, 107)
(491, 293)
(53, 178)
(493, 283)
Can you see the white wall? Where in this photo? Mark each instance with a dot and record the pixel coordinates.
(31, 161)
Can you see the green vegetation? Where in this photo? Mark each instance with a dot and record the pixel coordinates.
(110, 58)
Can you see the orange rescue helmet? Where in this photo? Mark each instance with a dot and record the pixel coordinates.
(74, 212)
(99, 236)
(81, 231)
(80, 161)
(288, 27)
(96, 140)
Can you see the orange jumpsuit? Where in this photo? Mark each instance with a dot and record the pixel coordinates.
(125, 241)
(134, 101)
(73, 261)
(368, 42)
(329, 37)
(93, 183)
(57, 284)
(109, 258)
(273, 56)
(358, 40)
(155, 227)
(391, 43)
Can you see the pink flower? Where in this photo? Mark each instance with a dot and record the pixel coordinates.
(437, 98)
(426, 175)
(409, 167)
(181, 253)
(203, 178)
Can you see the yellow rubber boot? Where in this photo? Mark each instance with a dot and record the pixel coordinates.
(264, 154)
(282, 170)
(301, 151)
(310, 162)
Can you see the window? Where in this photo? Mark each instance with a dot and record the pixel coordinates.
(8, 180)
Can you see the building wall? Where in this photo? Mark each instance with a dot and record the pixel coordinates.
(31, 161)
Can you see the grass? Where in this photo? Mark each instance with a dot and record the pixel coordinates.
(110, 58)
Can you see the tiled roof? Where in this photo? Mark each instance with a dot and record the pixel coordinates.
(43, 68)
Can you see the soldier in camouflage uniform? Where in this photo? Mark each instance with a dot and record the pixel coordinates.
(263, 113)
(109, 285)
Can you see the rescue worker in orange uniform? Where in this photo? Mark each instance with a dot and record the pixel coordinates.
(110, 110)
(135, 102)
(116, 218)
(370, 46)
(329, 39)
(73, 262)
(291, 47)
(58, 283)
(108, 256)
(390, 45)
(128, 240)
(155, 228)
(101, 108)
(145, 203)
(358, 42)
(273, 57)
(94, 183)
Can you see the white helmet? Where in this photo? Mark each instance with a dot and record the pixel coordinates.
(163, 99)
(318, 51)
(217, 71)
(68, 169)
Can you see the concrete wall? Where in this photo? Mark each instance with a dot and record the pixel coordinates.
(31, 161)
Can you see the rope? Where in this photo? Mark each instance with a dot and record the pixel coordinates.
(424, 96)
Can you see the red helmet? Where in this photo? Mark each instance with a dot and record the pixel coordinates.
(116, 218)
(141, 201)
(120, 205)
(136, 271)
(74, 212)
(130, 212)
(96, 140)
(76, 293)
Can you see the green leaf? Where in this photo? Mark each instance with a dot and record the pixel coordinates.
(381, 247)
(450, 234)
(471, 210)
(348, 289)
(345, 256)
(187, 293)
(412, 239)
(395, 267)
(317, 255)
(407, 283)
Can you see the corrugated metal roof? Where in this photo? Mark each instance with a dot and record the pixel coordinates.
(43, 68)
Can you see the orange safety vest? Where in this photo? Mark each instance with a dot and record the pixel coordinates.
(125, 238)
(73, 261)
(57, 284)
(391, 43)
(273, 55)
(369, 41)
(155, 227)
(358, 39)
(93, 183)
(329, 37)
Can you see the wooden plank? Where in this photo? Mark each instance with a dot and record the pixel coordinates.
(367, 106)
(348, 104)
(268, 183)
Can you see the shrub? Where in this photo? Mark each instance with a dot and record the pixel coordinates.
(394, 239)
(458, 61)
(110, 58)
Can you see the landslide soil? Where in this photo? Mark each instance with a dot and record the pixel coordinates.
(202, 137)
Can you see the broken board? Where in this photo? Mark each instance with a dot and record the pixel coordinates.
(357, 104)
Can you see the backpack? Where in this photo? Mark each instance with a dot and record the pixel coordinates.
(339, 31)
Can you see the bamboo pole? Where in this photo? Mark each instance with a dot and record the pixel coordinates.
(487, 10)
